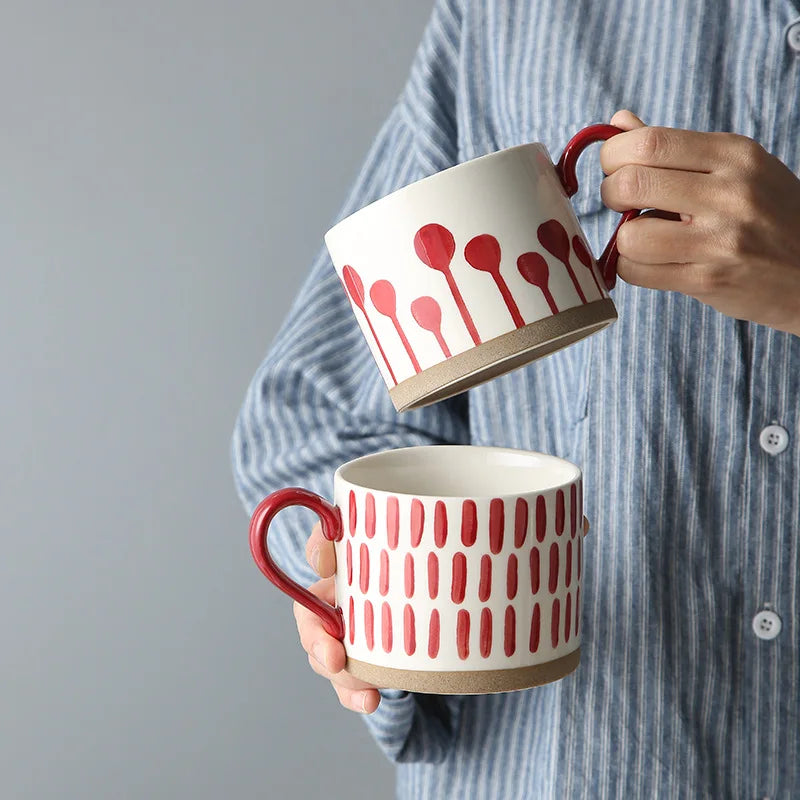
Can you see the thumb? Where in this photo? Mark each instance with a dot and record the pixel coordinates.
(626, 120)
(320, 553)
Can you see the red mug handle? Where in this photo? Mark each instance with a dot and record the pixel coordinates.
(569, 180)
(332, 618)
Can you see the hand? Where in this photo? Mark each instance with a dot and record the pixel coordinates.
(326, 654)
(733, 241)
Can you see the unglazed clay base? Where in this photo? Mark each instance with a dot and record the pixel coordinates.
(503, 354)
(465, 682)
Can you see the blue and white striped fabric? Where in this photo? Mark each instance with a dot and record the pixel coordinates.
(695, 527)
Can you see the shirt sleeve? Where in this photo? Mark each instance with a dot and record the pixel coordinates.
(318, 400)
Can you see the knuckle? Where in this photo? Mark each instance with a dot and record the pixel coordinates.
(710, 279)
(751, 154)
(630, 183)
(627, 239)
(652, 144)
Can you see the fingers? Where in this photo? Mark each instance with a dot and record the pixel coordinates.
(652, 240)
(320, 553)
(586, 526)
(635, 186)
(326, 655)
(626, 120)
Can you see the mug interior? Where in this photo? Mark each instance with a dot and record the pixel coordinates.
(444, 471)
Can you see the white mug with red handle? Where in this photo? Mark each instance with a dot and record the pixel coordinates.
(474, 271)
(458, 568)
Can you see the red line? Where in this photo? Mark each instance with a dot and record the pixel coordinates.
(568, 578)
(417, 521)
(442, 344)
(378, 342)
(369, 624)
(407, 346)
(386, 627)
(384, 579)
(369, 515)
(567, 617)
(577, 610)
(575, 281)
(541, 518)
(433, 575)
(352, 620)
(392, 521)
(409, 575)
(349, 564)
(536, 623)
(553, 577)
(511, 577)
(409, 634)
(580, 550)
(511, 304)
(485, 585)
(550, 300)
(520, 522)
(459, 583)
(469, 523)
(534, 570)
(364, 569)
(573, 510)
(486, 632)
(433, 634)
(510, 638)
(462, 634)
(555, 622)
(559, 512)
(440, 524)
(462, 307)
(353, 513)
(496, 525)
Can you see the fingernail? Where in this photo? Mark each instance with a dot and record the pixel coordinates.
(315, 559)
(318, 651)
(363, 702)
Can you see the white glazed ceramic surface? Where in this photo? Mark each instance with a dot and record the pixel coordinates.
(506, 195)
(474, 564)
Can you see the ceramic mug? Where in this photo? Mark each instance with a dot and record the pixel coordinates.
(474, 271)
(458, 568)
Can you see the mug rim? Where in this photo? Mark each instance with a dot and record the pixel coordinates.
(460, 166)
(576, 472)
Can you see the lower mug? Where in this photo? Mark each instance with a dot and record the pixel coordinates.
(458, 568)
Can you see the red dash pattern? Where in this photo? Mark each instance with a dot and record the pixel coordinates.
(433, 634)
(567, 617)
(541, 518)
(486, 632)
(409, 575)
(510, 638)
(568, 569)
(369, 515)
(369, 624)
(535, 570)
(363, 574)
(497, 521)
(353, 513)
(393, 521)
(440, 524)
(553, 575)
(417, 521)
(485, 585)
(577, 610)
(409, 634)
(536, 624)
(352, 620)
(573, 510)
(462, 634)
(555, 621)
(433, 575)
(383, 585)
(520, 522)
(459, 583)
(349, 555)
(386, 627)
(580, 550)
(511, 577)
(560, 512)
(469, 523)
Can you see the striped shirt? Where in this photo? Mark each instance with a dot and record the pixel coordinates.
(694, 523)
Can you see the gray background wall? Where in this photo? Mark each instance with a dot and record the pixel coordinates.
(167, 170)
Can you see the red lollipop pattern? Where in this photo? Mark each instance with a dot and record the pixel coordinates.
(435, 247)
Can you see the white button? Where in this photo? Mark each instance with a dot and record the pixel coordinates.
(774, 439)
(793, 36)
(766, 624)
